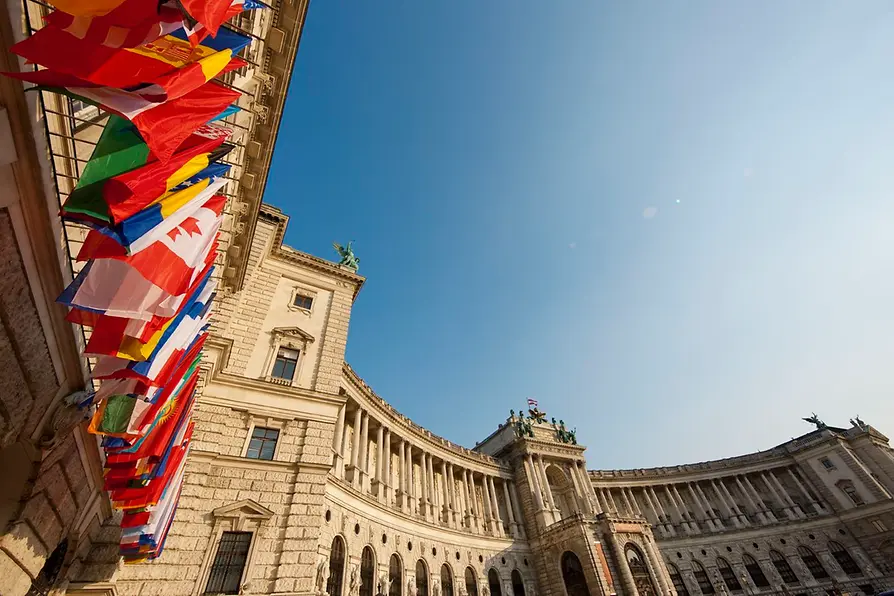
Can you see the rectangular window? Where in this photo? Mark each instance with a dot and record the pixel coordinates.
(827, 463)
(229, 563)
(304, 302)
(852, 493)
(879, 525)
(263, 443)
(286, 362)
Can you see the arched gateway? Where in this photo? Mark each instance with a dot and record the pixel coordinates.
(573, 575)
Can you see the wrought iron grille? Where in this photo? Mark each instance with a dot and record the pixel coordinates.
(229, 563)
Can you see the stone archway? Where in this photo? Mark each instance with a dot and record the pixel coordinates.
(562, 490)
(642, 579)
(573, 575)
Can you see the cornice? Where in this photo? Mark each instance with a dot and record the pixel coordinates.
(296, 257)
(288, 22)
(232, 461)
(434, 443)
(435, 532)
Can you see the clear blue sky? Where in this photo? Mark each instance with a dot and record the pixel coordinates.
(671, 223)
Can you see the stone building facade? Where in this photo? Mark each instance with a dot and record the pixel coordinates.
(303, 481)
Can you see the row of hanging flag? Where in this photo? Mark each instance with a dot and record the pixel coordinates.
(149, 195)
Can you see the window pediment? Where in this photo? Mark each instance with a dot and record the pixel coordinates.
(243, 510)
(292, 333)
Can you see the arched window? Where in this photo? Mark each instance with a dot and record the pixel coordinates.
(782, 566)
(812, 562)
(471, 582)
(641, 577)
(701, 576)
(446, 580)
(367, 572)
(562, 491)
(518, 586)
(573, 575)
(754, 570)
(336, 567)
(844, 558)
(677, 580)
(493, 582)
(728, 575)
(421, 578)
(395, 576)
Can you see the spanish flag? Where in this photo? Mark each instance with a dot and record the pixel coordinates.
(123, 68)
(89, 8)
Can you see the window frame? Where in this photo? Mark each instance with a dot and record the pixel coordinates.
(728, 575)
(764, 582)
(784, 568)
(849, 489)
(827, 463)
(818, 571)
(702, 578)
(226, 565)
(264, 440)
(302, 292)
(276, 359)
(848, 559)
(675, 574)
(264, 422)
(241, 516)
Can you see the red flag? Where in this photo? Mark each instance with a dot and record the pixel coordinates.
(210, 13)
(130, 25)
(170, 263)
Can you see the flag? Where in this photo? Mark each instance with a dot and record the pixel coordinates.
(163, 126)
(214, 170)
(532, 402)
(118, 287)
(122, 68)
(132, 24)
(88, 7)
(113, 331)
(191, 76)
(211, 14)
(170, 262)
(138, 232)
(233, 109)
(113, 199)
(196, 31)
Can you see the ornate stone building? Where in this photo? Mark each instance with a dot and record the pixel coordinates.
(303, 481)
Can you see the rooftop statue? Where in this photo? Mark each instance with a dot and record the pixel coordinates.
(348, 259)
(814, 419)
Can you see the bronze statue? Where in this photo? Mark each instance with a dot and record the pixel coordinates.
(346, 253)
(814, 419)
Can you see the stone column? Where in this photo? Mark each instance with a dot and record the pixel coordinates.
(402, 480)
(445, 489)
(628, 508)
(633, 502)
(668, 523)
(433, 490)
(730, 511)
(498, 519)
(533, 484)
(424, 481)
(733, 505)
(411, 483)
(380, 464)
(579, 497)
(488, 512)
(454, 506)
(699, 505)
(512, 525)
(757, 510)
(389, 481)
(516, 510)
(683, 518)
(467, 508)
(693, 526)
(786, 508)
(796, 511)
(659, 523)
(810, 500)
(476, 506)
(587, 487)
(363, 458)
(769, 515)
(337, 440)
(611, 500)
(623, 568)
(546, 488)
(603, 500)
(657, 569)
(355, 447)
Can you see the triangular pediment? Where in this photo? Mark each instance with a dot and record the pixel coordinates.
(245, 509)
(293, 332)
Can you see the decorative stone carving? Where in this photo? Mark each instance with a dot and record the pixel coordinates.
(354, 588)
